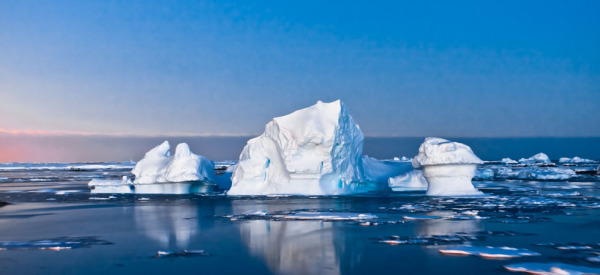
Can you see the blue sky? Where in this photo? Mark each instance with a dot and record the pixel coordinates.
(418, 68)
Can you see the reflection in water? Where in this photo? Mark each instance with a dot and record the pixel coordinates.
(293, 247)
(296, 247)
(447, 227)
(172, 226)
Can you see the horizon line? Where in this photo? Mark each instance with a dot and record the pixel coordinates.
(14, 132)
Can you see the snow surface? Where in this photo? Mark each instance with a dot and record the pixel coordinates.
(539, 158)
(551, 268)
(447, 166)
(411, 181)
(158, 166)
(312, 151)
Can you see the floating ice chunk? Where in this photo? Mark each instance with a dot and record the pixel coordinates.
(484, 174)
(123, 186)
(448, 167)
(417, 217)
(381, 170)
(329, 216)
(184, 253)
(539, 158)
(509, 161)
(551, 173)
(489, 252)
(576, 160)
(413, 180)
(158, 166)
(312, 151)
(551, 269)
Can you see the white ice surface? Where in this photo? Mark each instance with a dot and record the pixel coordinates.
(551, 269)
(539, 158)
(411, 181)
(436, 151)
(448, 167)
(509, 161)
(158, 166)
(312, 151)
(489, 252)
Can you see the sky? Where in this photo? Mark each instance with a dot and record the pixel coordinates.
(403, 68)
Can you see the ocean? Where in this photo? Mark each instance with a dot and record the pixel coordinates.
(50, 223)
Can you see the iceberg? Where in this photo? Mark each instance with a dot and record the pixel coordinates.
(312, 151)
(509, 161)
(551, 268)
(537, 159)
(158, 166)
(160, 173)
(411, 181)
(447, 166)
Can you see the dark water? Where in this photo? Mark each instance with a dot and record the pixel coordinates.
(14, 148)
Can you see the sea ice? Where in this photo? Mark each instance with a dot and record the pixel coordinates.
(447, 166)
(509, 161)
(489, 252)
(312, 151)
(551, 269)
(411, 181)
(537, 159)
(551, 173)
(329, 216)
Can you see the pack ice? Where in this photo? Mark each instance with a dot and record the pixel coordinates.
(448, 167)
(312, 151)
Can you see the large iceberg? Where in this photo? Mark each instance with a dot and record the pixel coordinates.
(447, 166)
(312, 151)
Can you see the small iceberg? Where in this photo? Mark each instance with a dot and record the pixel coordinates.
(160, 173)
(448, 167)
(537, 159)
(312, 151)
(551, 268)
(489, 252)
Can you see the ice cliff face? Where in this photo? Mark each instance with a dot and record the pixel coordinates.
(447, 166)
(158, 166)
(312, 151)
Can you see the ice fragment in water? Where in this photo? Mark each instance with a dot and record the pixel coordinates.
(489, 252)
(551, 269)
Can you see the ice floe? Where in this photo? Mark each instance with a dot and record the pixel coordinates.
(447, 166)
(551, 269)
(489, 252)
(329, 216)
(56, 244)
(575, 160)
(312, 151)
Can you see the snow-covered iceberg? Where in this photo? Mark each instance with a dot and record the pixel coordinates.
(447, 166)
(160, 173)
(312, 151)
(158, 166)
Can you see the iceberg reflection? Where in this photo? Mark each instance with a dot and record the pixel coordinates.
(171, 226)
